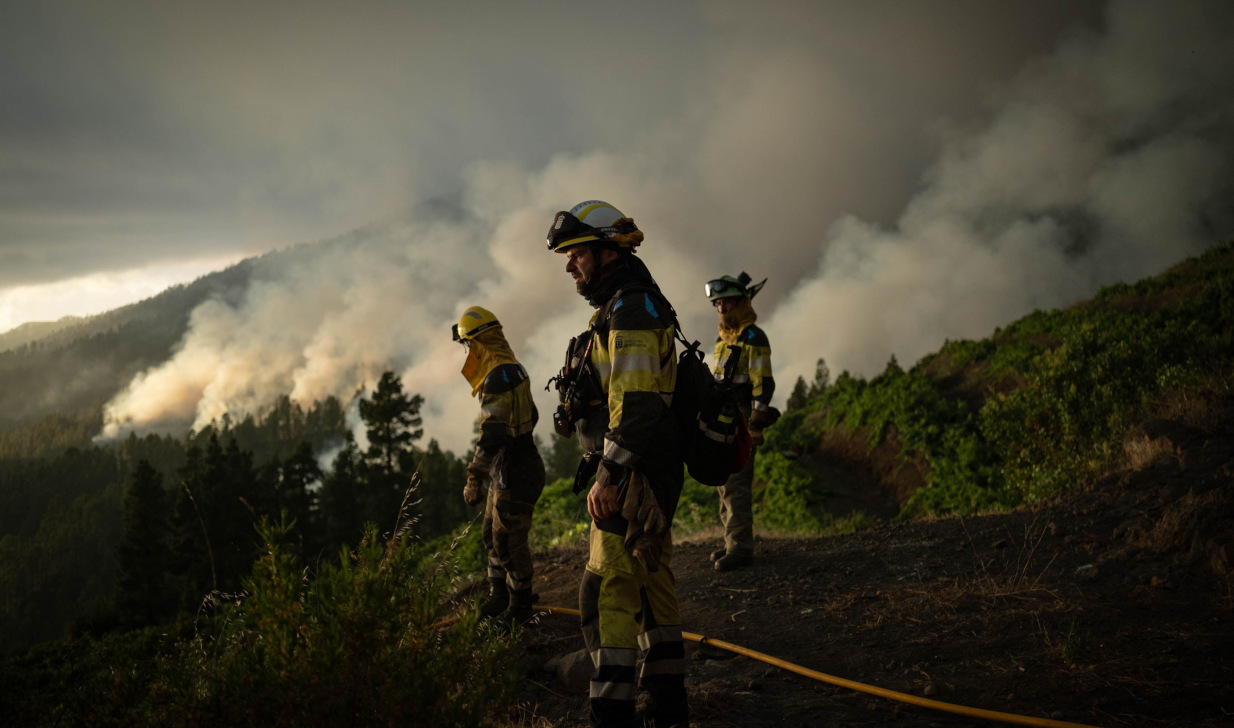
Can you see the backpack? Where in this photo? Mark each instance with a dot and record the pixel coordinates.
(712, 433)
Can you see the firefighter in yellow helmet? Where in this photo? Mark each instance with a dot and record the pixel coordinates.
(733, 299)
(506, 462)
(616, 389)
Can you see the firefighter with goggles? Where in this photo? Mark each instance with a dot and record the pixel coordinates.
(506, 463)
(616, 389)
(739, 337)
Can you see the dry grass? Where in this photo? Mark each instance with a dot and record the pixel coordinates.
(1023, 573)
(1204, 405)
(1141, 450)
(1195, 526)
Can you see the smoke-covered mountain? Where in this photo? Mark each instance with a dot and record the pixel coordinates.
(78, 364)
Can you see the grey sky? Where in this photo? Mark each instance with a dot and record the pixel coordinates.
(140, 132)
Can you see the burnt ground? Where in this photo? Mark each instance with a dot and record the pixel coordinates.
(1109, 606)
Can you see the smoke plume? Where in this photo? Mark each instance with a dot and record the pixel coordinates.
(1107, 159)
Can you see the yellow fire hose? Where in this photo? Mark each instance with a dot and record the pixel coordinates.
(859, 687)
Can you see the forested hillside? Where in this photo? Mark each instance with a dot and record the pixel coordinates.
(136, 533)
(35, 330)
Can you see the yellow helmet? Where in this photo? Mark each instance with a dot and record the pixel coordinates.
(473, 321)
(593, 221)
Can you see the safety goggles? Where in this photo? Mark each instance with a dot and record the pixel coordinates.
(482, 327)
(720, 288)
(568, 229)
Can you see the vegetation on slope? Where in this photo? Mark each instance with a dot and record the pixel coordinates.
(1042, 404)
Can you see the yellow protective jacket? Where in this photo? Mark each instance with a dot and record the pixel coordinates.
(633, 360)
(752, 375)
(507, 418)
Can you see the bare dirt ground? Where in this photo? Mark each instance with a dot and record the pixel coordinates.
(1108, 606)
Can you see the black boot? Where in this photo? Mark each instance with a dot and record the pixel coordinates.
(498, 599)
(520, 608)
(731, 561)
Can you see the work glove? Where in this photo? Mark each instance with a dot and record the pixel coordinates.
(763, 418)
(647, 525)
(760, 419)
(473, 492)
(478, 474)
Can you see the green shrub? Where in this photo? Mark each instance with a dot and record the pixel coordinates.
(785, 501)
(560, 516)
(113, 680)
(790, 500)
(359, 644)
(698, 508)
(465, 546)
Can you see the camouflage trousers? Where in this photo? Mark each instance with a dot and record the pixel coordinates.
(507, 524)
(737, 512)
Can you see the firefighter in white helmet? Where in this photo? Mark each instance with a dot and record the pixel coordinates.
(616, 389)
(739, 337)
(506, 463)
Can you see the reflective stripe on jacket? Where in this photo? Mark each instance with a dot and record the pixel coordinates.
(635, 360)
(752, 375)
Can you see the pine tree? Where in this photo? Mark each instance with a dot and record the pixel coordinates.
(192, 556)
(442, 476)
(294, 495)
(561, 458)
(799, 397)
(142, 591)
(340, 498)
(219, 502)
(392, 423)
(822, 379)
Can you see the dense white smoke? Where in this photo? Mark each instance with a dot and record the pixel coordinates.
(1105, 161)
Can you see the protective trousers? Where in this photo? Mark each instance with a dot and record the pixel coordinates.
(506, 526)
(736, 510)
(624, 610)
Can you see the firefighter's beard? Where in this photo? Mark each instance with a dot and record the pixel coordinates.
(586, 284)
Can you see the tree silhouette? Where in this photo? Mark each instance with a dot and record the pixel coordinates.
(392, 422)
(561, 457)
(214, 518)
(799, 396)
(822, 379)
(441, 486)
(141, 556)
(297, 475)
(340, 499)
